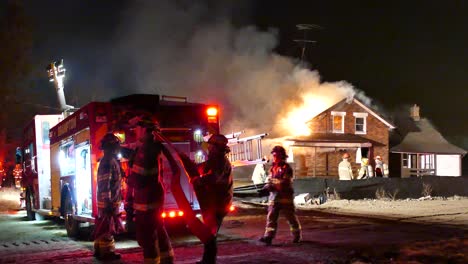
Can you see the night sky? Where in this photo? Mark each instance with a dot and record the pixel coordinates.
(397, 53)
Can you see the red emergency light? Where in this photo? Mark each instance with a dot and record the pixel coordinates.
(172, 214)
(212, 113)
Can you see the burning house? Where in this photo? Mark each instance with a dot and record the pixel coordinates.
(348, 126)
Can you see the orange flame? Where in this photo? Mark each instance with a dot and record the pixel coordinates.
(295, 121)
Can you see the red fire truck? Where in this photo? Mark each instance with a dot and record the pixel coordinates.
(75, 153)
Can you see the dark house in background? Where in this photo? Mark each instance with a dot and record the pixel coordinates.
(419, 149)
(348, 126)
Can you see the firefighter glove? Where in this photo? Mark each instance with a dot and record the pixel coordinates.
(263, 192)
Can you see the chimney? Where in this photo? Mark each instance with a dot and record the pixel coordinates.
(414, 112)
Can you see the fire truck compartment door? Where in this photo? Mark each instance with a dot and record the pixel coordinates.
(170, 202)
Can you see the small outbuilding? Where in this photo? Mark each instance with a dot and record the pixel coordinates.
(423, 150)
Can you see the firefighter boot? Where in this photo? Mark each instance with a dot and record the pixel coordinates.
(96, 250)
(109, 256)
(296, 239)
(209, 252)
(266, 240)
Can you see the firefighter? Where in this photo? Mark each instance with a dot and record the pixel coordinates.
(212, 182)
(109, 198)
(259, 174)
(381, 168)
(148, 196)
(366, 171)
(281, 197)
(345, 171)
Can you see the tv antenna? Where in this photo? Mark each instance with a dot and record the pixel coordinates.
(305, 28)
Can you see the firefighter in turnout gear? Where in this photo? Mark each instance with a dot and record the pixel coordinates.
(213, 182)
(345, 171)
(148, 196)
(281, 197)
(108, 221)
(366, 171)
(381, 168)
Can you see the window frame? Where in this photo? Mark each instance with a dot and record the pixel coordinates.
(342, 115)
(364, 128)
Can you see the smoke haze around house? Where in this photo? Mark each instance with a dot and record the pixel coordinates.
(193, 50)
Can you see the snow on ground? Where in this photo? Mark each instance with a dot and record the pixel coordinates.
(451, 210)
(9, 199)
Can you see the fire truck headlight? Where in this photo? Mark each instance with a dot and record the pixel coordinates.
(198, 136)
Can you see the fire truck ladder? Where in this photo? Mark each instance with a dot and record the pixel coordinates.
(247, 150)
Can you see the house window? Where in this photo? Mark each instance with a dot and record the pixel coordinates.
(338, 121)
(427, 161)
(360, 123)
(406, 160)
(409, 160)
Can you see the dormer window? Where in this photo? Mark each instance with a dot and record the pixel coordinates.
(360, 123)
(338, 121)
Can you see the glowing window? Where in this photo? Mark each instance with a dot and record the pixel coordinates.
(338, 121)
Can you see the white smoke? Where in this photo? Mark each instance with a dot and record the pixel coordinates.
(191, 49)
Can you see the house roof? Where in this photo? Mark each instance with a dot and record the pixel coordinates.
(333, 140)
(426, 140)
(368, 109)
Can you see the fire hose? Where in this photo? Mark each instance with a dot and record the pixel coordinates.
(197, 227)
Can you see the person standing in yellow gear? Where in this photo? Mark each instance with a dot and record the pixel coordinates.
(108, 194)
(281, 197)
(366, 171)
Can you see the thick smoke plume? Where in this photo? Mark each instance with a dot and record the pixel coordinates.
(191, 49)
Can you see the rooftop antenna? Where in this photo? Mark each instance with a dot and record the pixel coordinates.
(305, 28)
(56, 74)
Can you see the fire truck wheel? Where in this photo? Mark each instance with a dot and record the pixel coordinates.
(29, 204)
(71, 225)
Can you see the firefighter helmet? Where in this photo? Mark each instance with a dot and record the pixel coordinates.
(220, 142)
(147, 122)
(109, 141)
(279, 150)
(364, 161)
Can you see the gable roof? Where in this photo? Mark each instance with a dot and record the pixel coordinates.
(362, 105)
(426, 140)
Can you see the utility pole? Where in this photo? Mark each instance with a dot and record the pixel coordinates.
(304, 29)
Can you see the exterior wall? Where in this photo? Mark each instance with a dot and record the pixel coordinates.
(327, 162)
(448, 165)
(321, 123)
